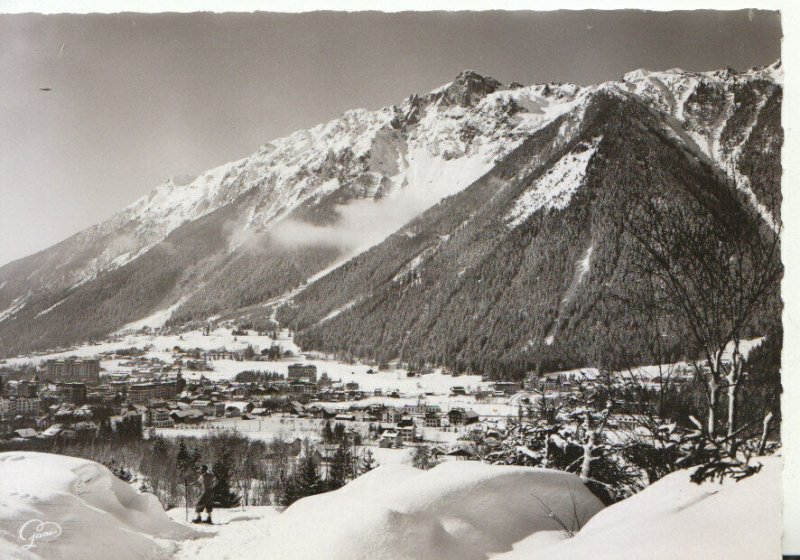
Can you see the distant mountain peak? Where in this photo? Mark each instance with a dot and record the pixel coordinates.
(772, 72)
(468, 89)
(471, 75)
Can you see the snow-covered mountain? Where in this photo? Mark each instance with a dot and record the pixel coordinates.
(429, 147)
(251, 230)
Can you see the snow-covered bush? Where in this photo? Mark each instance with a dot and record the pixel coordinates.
(572, 435)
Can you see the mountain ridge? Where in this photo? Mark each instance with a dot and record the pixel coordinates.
(392, 164)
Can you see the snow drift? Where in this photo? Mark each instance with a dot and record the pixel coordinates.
(458, 510)
(84, 511)
(675, 519)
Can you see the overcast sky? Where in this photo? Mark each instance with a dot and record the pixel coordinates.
(137, 98)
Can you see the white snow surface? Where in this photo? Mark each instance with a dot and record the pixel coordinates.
(161, 346)
(49, 309)
(555, 188)
(99, 515)
(14, 308)
(469, 510)
(585, 263)
(154, 320)
(458, 510)
(241, 536)
(675, 519)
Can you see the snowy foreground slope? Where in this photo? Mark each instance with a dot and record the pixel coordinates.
(468, 510)
(461, 510)
(676, 519)
(89, 513)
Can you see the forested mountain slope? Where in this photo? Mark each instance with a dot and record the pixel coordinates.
(521, 270)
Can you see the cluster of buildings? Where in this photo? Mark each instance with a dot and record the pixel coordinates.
(392, 426)
(143, 393)
(24, 403)
(62, 386)
(157, 392)
(73, 369)
(53, 403)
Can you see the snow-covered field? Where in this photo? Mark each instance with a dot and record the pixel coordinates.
(461, 510)
(458, 510)
(162, 345)
(265, 429)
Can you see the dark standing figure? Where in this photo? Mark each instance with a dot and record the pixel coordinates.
(208, 481)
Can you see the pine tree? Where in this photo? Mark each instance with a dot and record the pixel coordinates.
(289, 492)
(368, 462)
(160, 448)
(327, 432)
(341, 466)
(104, 432)
(339, 432)
(222, 469)
(422, 458)
(305, 481)
(183, 459)
(194, 457)
(309, 480)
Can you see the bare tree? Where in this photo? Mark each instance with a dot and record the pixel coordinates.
(713, 257)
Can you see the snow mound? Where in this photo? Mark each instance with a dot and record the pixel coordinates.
(676, 519)
(458, 510)
(85, 510)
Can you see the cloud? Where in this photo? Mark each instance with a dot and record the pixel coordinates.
(362, 223)
(241, 236)
(123, 243)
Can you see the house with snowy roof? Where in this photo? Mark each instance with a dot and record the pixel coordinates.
(461, 417)
(390, 438)
(186, 416)
(53, 431)
(294, 408)
(26, 433)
